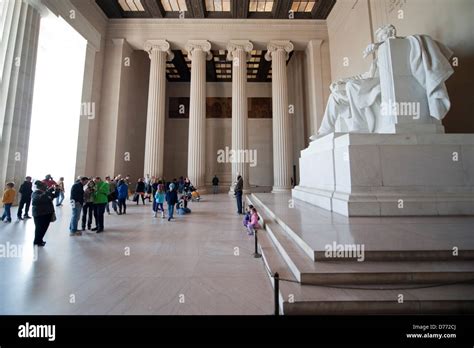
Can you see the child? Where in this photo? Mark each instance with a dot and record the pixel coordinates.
(248, 215)
(160, 199)
(7, 200)
(253, 224)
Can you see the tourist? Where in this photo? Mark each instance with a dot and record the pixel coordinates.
(122, 194)
(88, 207)
(112, 197)
(159, 200)
(238, 193)
(253, 225)
(77, 202)
(100, 201)
(148, 182)
(43, 210)
(215, 184)
(25, 190)
(49, 182)
(171, 199)
(248, 215)
(7, 200)
(187, 184)
(154, 188)
(128, 181)
(140, 191)
(60, 192)
(180, 184)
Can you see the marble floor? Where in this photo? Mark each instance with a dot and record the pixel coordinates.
(201, 263)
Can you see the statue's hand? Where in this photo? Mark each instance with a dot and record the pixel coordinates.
(371, 48)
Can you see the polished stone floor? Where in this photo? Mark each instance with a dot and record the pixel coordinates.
(201, 263)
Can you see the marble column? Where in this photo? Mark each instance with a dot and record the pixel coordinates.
(19, 52)
(278, 53)
(238, 53)
(198, 51)
(159, 52)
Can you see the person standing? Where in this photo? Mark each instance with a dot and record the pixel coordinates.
(60, 194)
(49, 182)
(43, 210)
(7, 200)
(88, 207)
(77, 201)
(238, 190)
(26, 189)
(140, 191)
(100, 201)
(215, 184)
(159, 199)
(171, 199)
(112, 198)
(122, 193)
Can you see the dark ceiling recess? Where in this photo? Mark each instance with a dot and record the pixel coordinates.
(218, 69)
(259, 9)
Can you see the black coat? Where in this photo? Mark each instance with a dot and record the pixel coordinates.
(171, 197)
(42, 202)
(140, 187)
(25, 190)
(77, 192)
(239, 186)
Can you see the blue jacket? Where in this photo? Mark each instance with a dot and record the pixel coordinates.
(122, 191)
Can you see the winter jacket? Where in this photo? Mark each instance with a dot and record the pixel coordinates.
(239, 186)
(215, 181)
(8, 196)
(140, 187)
(101, 193)
(254, 221)
(171, 197)
(42, 202)
(160, 197)
(122, 191)
(77, 192)
(26, 189)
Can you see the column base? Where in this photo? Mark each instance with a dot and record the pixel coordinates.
(281, 189)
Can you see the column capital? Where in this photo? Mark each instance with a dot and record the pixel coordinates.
(159, 45)
(201, 45)
(279, 45)
(235, 45)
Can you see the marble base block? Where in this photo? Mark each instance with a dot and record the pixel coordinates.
(389, 174)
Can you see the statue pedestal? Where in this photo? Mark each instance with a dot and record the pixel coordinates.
(389, 174)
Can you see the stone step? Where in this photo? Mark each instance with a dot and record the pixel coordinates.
(384, 239)
(297, 299)
(307, 271)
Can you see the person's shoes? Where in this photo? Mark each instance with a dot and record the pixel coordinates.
(89, 228)
(116, 212)
(119, 213)
(26, 217)
(108, 212)
(95, 229)
(20, 218)
(155, 215)
(72, 234)
(78, 233)
(41, 244)
(169, 219)
(100, 231)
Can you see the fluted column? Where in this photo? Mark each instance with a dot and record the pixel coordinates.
(278, 54)
(18, 51)
(159, 52)
(238, 54)
(198, 51)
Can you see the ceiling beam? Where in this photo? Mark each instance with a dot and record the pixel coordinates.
(322, 8)
(196, 9)
(110, 8)
(155, 8)
(240, 9)
(281, 9)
